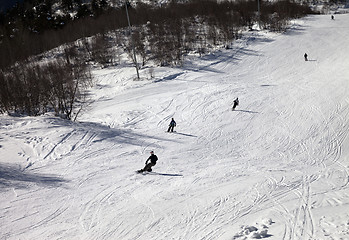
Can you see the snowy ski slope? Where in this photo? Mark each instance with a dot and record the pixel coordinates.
(277, 167)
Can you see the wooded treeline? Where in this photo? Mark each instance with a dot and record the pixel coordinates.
(163, 35)
(58, 85)
(35, 31)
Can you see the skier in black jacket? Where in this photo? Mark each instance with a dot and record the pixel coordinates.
(151, 161)
(236, 103)
(171, 126)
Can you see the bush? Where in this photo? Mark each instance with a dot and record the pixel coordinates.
(34, 89)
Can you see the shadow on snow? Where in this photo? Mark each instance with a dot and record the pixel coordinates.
(166, 174)
(234, 55)
(106, 133)
(185, 134)
(11, 176)
(236, 110)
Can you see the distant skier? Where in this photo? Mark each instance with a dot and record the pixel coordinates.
(332, 17)
(171, 126)
(305, 57)
(236, 103)
(151, 161)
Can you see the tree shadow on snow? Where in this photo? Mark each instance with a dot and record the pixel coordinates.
(295, 31)
(233, 55)
(125, 136)
(11, 176)
(111, 134)
(170, 77)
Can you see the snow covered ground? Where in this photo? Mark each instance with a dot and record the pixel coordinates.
(277, 167)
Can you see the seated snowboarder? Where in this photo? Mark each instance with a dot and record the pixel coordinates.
(171, 126)
(151, 161)
(236, 103)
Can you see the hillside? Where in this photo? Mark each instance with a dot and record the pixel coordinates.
(275, 168)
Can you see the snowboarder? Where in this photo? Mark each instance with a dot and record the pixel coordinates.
(305, 57)
(151, 161)
(171, 126)
(236, 103)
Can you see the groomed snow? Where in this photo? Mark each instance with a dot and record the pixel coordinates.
(276, 167)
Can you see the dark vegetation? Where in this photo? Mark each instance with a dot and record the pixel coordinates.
(161, 34)
(31, 88)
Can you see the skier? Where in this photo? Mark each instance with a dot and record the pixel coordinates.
(151, 161)
(236, 103)
(171, 126)
(305, 57)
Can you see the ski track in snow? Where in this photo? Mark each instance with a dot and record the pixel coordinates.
(275, 168)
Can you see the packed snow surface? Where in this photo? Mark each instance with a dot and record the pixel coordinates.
(276, 167)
